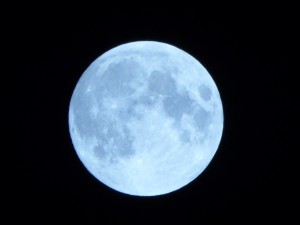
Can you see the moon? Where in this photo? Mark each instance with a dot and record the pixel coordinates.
(146, 118)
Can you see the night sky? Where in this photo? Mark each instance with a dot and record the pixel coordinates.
(250, 179)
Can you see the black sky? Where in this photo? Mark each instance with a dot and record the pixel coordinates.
(250, 179)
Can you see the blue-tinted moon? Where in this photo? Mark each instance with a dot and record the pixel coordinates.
(146, 118)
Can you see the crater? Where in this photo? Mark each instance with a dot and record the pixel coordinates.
(205, 92)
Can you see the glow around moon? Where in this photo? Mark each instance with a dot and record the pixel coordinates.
(146, 118)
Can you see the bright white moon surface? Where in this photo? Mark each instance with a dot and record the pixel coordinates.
(146, 118)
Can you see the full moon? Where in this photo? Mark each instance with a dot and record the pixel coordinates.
(146, 118)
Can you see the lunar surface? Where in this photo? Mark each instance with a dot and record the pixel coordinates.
(146, 118)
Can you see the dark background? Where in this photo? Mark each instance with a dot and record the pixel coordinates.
(250, 179)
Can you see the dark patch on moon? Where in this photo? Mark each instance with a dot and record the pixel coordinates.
(114, 135)
(185, 136)
(202, 119)
(161, 83)
(120, 148)
(83, 121)
(205, 92)
(176, 104)
(117, 77)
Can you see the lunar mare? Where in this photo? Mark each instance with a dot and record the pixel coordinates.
(146, 118)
